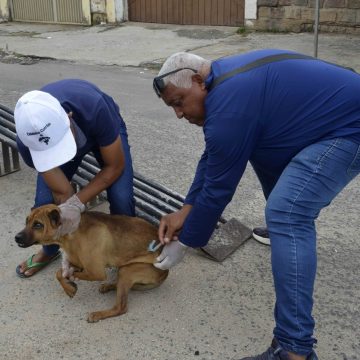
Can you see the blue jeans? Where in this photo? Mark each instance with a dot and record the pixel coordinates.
(309, 183)
(120, 194)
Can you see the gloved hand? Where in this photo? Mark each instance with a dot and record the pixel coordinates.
(70, 214)
(171, 255)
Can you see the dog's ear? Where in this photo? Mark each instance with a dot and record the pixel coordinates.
(54, 216)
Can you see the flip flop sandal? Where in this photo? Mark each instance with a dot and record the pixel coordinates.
(31, 265)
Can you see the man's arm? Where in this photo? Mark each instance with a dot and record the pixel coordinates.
(198, 181)
(228, 146)
(114, 164)
(230, 139)
(171, 225)
(59, 185)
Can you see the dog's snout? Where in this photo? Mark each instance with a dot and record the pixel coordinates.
(20, 239)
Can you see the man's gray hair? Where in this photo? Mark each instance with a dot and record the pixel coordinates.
(182, 79)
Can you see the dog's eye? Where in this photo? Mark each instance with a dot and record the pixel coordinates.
(37, 226)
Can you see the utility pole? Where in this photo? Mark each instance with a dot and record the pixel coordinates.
(316, 27)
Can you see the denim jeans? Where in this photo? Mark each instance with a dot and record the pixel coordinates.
(120, 194)
(309, 183)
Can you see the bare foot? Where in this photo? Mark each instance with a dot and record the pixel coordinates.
(39, 257)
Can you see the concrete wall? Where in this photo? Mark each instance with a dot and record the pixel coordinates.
(4, 10)
(342, 16)
(250, 9)
(98, 10)
(108, 11)
(121, 10)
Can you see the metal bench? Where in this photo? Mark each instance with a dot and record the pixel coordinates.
(152, 200)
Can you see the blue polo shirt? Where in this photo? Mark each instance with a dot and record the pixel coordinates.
(95, 113)
(266, 116)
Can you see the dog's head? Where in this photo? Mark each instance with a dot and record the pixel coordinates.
(41, 227)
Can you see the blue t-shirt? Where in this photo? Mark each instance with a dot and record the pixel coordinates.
(266, 116)
(94, 112)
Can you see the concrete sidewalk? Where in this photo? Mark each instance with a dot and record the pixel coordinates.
(147, 45)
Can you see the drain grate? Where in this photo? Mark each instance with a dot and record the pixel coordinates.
(9, 159)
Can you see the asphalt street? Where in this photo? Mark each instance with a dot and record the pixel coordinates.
(205, 310)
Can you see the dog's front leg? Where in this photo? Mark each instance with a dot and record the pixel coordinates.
(69, 287)
(67, 268)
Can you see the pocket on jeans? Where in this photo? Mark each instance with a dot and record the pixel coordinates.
(354, 167)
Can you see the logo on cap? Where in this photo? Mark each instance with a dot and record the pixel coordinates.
(44, 139)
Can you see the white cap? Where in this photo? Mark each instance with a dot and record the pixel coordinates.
(43, 126)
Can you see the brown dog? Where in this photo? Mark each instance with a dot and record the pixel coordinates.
(101, 241)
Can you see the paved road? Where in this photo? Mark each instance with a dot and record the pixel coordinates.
(219, 311)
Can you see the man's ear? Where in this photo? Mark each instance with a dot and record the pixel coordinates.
(70, 115)
(197, 78)
(54, 216)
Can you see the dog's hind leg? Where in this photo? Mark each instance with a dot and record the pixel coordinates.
(129, 275)
(104, 288)
(150, 277)
(111, 284)
(124, 284)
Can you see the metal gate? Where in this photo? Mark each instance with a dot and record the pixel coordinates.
(189, 12)
(51, 11)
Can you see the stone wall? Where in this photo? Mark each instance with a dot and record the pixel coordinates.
(104, 11)
(341, 16)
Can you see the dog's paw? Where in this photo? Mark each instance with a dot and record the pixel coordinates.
(93, 317)
(70, 289)
(104, 288)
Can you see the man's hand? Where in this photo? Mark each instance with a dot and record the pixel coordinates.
(70, 214)
(171, 224)
(171, 255)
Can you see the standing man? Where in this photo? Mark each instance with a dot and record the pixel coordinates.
(296, 119)
(56, 127)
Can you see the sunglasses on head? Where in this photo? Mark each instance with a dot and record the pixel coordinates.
(159, 84)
